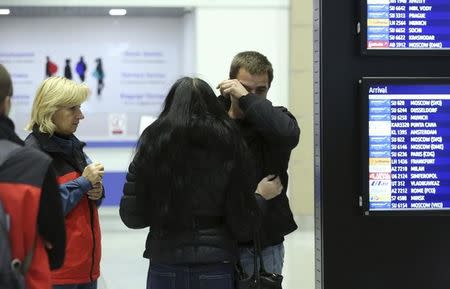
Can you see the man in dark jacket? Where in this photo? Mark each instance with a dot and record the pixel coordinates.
(28, 174)
(6, 91)
(271, 133)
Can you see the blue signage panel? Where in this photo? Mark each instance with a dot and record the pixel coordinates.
(407, 24)
(408, 145)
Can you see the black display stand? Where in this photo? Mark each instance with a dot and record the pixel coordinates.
(354, 251)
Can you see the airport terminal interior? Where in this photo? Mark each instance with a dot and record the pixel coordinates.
(367, 81)
(144, 46)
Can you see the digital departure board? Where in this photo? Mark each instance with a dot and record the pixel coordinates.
(406, 144)
(397, 26)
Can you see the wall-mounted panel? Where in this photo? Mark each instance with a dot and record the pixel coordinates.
(140, 59)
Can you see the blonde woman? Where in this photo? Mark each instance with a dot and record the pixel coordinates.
(55, 116)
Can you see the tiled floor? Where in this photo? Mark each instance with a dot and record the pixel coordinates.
(123, 266)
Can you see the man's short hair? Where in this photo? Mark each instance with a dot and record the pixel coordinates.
(252, 61)
(6, 88)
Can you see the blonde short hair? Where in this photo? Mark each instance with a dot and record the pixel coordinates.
(53, 93)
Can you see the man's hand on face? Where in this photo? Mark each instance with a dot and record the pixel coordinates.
(233, 88)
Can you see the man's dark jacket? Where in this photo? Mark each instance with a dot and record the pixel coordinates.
(7, 130)
(270, 133)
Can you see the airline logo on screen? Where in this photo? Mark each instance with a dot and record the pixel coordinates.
(380, 187)
(380, 178)
(377, 24)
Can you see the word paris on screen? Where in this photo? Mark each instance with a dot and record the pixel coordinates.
(405, 27)
(405, 145)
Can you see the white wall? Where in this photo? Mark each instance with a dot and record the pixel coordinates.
(150, 3)
(114, 159)
(215, 31)
(189, 42)
(222, 33)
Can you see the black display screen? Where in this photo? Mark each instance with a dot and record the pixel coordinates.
(396, 26)
(406, 144)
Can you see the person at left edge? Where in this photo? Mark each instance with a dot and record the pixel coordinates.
(55, 116)
(29, 194)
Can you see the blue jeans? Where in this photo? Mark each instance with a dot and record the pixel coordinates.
(209, 276)
(92, 285)
(273, 258)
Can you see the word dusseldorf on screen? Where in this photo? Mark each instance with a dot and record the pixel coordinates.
(409, 147)
(408, 24)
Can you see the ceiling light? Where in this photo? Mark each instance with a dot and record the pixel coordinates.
(117, 12)
(4, 11)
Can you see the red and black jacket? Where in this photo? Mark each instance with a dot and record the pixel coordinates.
(83, 249)
(22, 175)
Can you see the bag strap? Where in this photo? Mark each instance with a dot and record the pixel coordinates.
(255, 262)
(257, 243)
(240, 269)
(256, 255)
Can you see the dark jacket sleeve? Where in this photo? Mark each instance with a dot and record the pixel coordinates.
(262, 203)
(276, 124)
(51, 224)
(129, 211)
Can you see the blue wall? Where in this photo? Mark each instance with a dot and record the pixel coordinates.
(113, 183)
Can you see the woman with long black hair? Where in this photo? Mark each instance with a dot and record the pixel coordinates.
(192, 183)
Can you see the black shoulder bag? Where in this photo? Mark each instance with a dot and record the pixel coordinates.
(260, 279)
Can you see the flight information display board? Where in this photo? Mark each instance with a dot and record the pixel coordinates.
(406, 144)
(419, 26)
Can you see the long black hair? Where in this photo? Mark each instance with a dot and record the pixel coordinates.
(191, 117)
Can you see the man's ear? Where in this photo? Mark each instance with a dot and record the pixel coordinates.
(5, 105)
